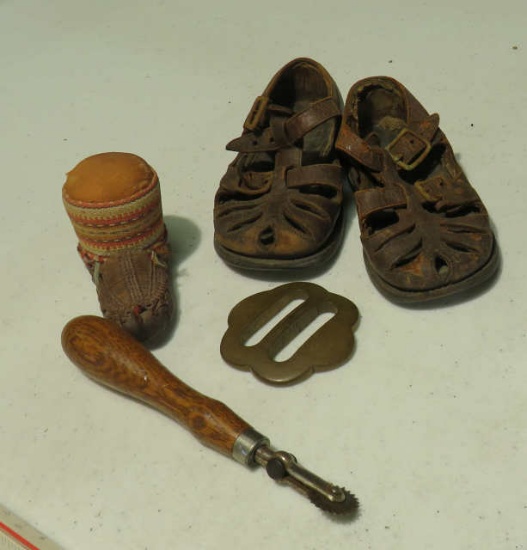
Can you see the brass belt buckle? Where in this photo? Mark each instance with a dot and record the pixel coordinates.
(329, 347)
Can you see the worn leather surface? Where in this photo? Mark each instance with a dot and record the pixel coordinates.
(424, 229)
(281, 197)
(133, 288)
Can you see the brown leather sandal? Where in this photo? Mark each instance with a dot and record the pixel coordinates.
(280, 203)
(425, 231)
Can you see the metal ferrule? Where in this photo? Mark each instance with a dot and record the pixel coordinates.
(245, 446)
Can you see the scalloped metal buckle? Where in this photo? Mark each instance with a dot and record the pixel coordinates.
(329, 347)
(417, 153)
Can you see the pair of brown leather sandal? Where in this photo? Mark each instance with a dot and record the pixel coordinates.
(425, 231)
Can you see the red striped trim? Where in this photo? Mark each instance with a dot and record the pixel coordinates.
(119, 242)
(157, 247)
(117, 220)
(17, 537)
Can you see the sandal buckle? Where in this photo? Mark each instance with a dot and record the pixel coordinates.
(408, 149)
(254, 118)
(431, 189)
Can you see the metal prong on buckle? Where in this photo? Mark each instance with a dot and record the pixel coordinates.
(397, 158)
(255, 114)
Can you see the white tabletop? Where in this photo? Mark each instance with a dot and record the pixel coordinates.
(427, 423)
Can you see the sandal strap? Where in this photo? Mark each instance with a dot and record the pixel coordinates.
(407, 150)
(381, 198)
(255, 184)
(412, 144)
(315, 174)
(303, 122)
(283, 130)
(447, 192)
(349, 143)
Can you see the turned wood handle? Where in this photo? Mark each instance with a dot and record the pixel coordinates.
(109, 355)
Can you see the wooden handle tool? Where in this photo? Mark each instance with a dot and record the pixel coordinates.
(110, 356)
